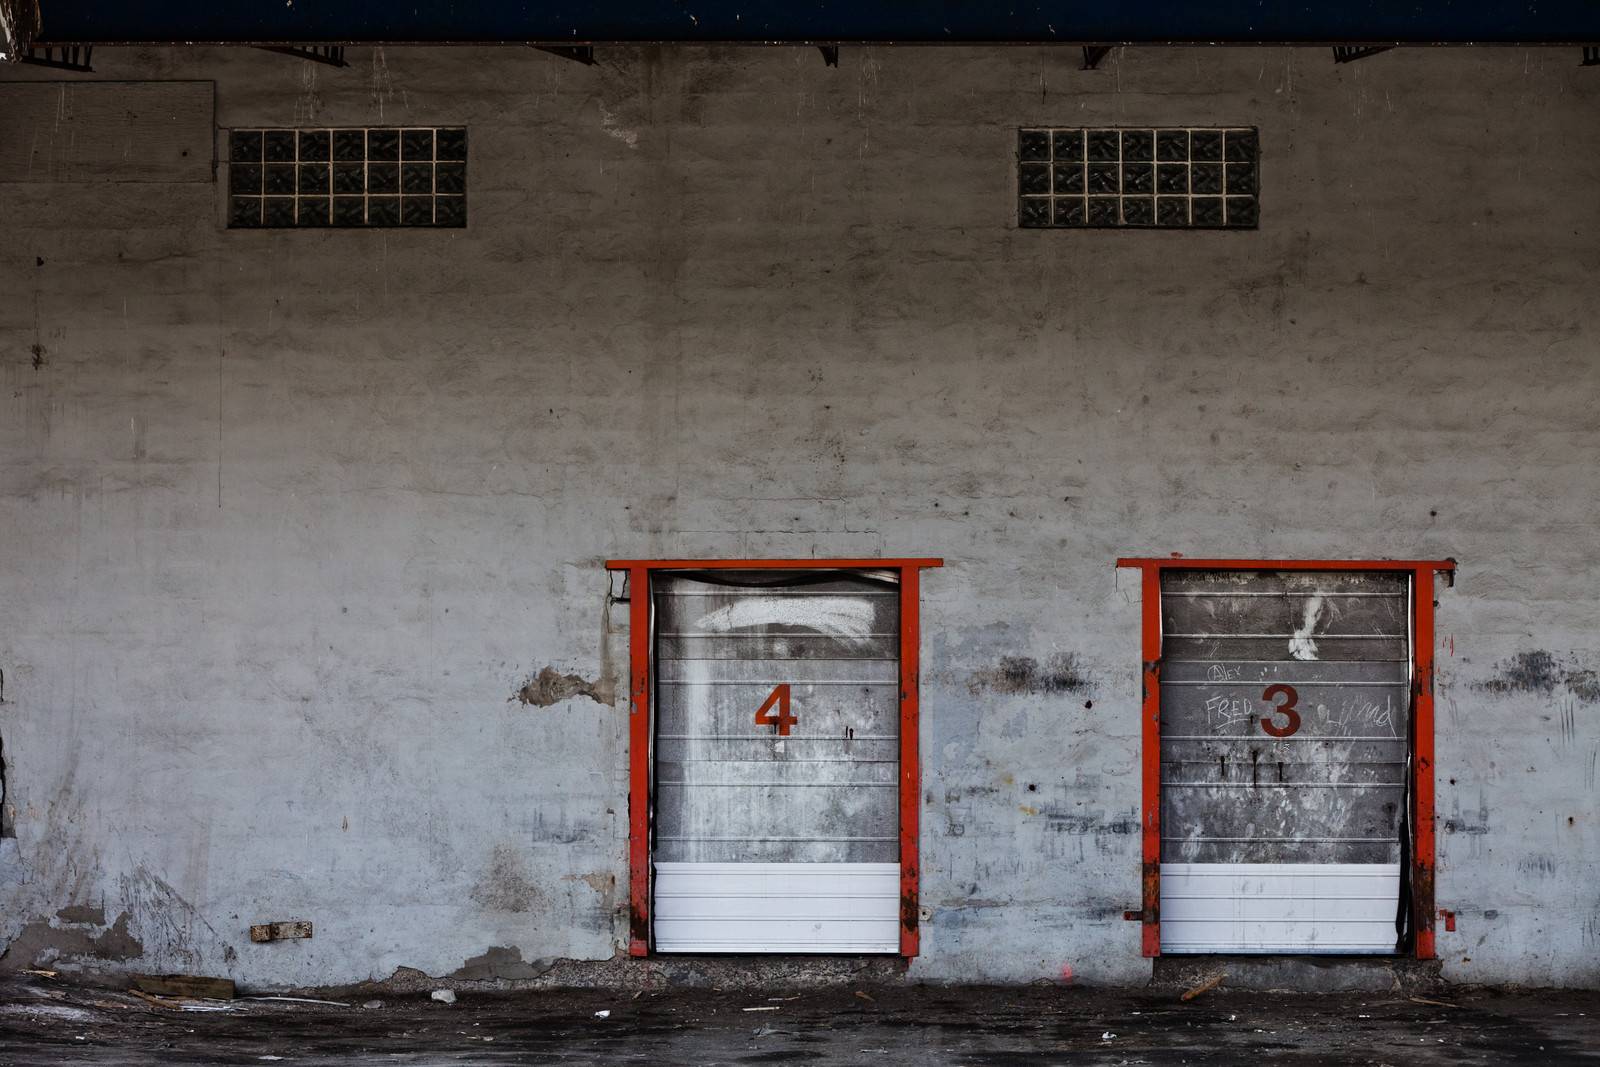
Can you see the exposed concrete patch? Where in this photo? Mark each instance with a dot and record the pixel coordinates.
(1541, 672)
(599, 881)
(501, 963)
(548, 687)
(1023, 674)
(506, 885)
(40, 943)
(1318, 974)
(625, 973)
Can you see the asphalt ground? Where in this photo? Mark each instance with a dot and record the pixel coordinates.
(44, 1022)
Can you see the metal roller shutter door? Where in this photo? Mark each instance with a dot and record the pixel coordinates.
(776, 768)
(1284, 760)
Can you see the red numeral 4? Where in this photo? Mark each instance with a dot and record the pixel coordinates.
(784, 720)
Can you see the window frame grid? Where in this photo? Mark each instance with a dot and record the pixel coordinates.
(1049, 207)
(269, 201)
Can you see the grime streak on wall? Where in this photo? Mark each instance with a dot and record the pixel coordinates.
(1541, 672)
(1025, 675)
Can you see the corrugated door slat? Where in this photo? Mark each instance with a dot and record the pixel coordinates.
(783, 836)
(1284, 712)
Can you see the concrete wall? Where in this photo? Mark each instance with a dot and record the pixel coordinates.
(290, 518)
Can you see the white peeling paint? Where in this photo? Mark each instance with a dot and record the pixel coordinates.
(608, 123)
(847, 618)
(1300, 645)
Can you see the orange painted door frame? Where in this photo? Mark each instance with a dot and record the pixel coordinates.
(639, 754)
(1422, 785)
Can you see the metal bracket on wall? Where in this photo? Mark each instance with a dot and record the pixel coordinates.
(1351, 53)
(830, 54)
(330, 54)
(74, 58)
(1591, 55)
(578, 54)
(1093, 54)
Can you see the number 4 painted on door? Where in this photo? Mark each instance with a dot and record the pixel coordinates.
(780, 697)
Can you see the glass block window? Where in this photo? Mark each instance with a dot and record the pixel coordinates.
(1188, 178)
(383, 176)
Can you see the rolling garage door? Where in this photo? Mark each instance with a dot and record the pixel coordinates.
(776, 771)
(1284, 741)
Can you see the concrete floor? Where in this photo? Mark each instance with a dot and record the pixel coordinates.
(43, 1023)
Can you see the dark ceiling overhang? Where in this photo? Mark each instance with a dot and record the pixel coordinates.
(819, 21)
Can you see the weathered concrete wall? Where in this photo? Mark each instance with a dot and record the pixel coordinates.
(291, 519)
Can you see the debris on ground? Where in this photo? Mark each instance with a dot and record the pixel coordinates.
(181, 1003)
(764, 1007)
(160, 1002)
(866, 997)
(305, 1000)
(1205, 987)
(444, 996)
(1435, 1003)
(606, 1014)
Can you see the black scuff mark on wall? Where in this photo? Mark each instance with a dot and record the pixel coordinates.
(1542, 672)
(1092, 823)
(6, 829)
(550, 687)
(506, 884)
(1457, 823)
(1025, 675)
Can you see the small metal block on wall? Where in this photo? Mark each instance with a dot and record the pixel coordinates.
(378, 177)
(1173, 178)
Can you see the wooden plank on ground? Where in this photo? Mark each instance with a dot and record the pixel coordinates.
(183, 985)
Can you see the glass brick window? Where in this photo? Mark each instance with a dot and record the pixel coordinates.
(1189, 178)
(382, 176)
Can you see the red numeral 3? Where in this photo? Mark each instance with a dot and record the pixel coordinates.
(1286, 709)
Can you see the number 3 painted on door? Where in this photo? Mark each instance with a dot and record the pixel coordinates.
(1286, 709)
(780, 697)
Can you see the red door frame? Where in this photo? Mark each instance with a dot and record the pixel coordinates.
(1422, 791)
(639, 571)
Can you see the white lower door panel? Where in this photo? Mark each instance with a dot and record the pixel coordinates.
(1279, 907)
(777, 907)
